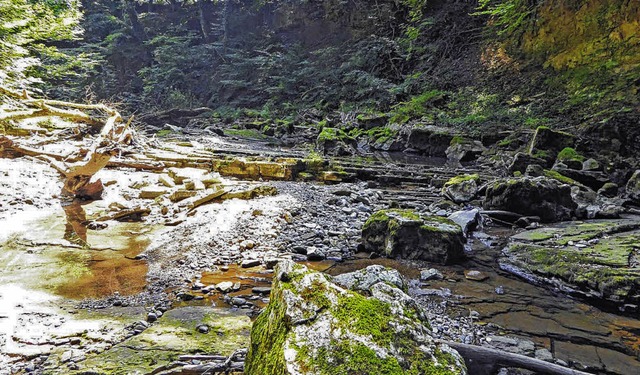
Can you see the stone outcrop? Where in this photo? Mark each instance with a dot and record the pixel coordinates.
(521, 161)
(464, 150)
(430, 140)
(547, 143)
(408, 235)
(314, 326)
(597, 259)
(633, 187)
(461, 189)
(539, 196)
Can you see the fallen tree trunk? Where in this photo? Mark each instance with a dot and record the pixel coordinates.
(115, 133)
(479, 357)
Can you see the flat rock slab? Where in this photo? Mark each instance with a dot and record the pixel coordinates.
(597, 259)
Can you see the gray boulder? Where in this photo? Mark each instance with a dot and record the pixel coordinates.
(539, 196)
(462, 188)
(464, 150)
(633, 187)
(408, 235)
(467, 220)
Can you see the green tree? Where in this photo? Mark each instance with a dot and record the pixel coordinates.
(28, 33)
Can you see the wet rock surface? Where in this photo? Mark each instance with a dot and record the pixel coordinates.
(190, 251)
(597, 259)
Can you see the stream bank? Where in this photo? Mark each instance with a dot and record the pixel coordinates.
(131, 285)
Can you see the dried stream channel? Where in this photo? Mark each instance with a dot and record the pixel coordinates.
(148, 288)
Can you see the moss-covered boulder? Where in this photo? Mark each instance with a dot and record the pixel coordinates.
(547, 198)
(462, 188)
(335, 142)
(633, 187)
(547, 143)
(597, 259)
(570, 157)
(314, 326)
(409, 235)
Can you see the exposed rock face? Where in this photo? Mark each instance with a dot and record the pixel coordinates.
(430, 140)
(461, 189)
(521, 161)
(405, 234)
(597, 259)
(633, 187)
(546, 142)
(313, 326)
(540, 196)
(593, 179)
(465, 150)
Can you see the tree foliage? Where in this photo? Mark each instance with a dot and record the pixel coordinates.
(28, 33)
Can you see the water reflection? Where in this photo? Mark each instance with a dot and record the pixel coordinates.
(75, 228)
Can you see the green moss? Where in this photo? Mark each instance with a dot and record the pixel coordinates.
(314, 162)
(333, 134)
(417, 107)
(268, 335)
(462, 178)
(383, 216)
(354, 359)
(505, 142)
(541, 154)
(163, 133)
(365, 316)
(245, 133)
(569, 153)
(456, 140)
(560, 177)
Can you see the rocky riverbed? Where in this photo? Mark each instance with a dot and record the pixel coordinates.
(173, 267)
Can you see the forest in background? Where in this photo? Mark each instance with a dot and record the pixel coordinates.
(474, 65)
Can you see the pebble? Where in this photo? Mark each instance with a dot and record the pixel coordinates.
(225, 286)
(238, 301)
(248, 263)
(315, 254)
(261, 290)
(203, 328)
(475, 275)
(430, 274)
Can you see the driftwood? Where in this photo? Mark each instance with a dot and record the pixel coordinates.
(114, 134)
(479, 358)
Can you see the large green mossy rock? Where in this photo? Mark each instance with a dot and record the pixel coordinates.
(598, 259)
(408, 235)
(547, 198)
(314, 326)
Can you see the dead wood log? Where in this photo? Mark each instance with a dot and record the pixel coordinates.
(478, 357)
(137, 165)
(133, 214)
(114, 134)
